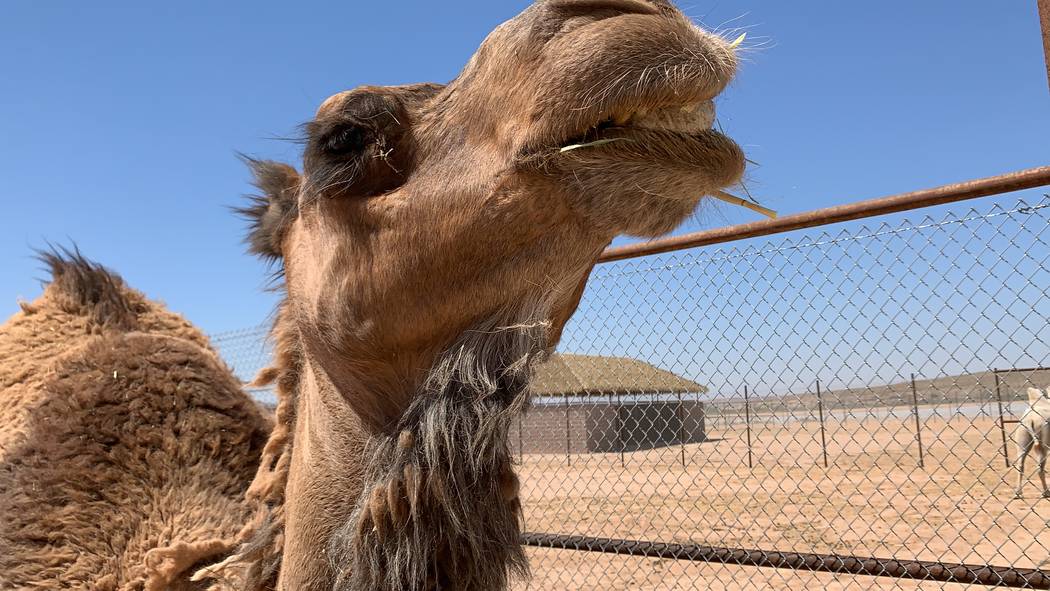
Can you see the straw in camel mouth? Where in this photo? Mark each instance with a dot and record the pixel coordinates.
(717, 194)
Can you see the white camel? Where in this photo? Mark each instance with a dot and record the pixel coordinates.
(1033, 432)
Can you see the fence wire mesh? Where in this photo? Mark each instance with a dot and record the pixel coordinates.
(853, 390)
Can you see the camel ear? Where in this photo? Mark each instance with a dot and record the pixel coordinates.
(271, 212)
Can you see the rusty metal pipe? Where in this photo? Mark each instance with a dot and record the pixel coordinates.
(1005, 183)
(945, 572)
(1021, 369)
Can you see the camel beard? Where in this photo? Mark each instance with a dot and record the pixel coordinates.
(440, 508)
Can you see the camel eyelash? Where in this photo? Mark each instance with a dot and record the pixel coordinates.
(344, 139)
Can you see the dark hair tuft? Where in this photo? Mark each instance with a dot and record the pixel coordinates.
(85, 287)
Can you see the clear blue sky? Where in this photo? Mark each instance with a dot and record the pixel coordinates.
(119, 120)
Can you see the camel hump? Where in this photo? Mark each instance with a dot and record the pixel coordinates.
(80, 286)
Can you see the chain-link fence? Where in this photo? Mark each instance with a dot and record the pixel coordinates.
(849, 391)
(247, 351)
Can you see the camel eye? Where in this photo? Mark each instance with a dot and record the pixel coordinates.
(343, 140)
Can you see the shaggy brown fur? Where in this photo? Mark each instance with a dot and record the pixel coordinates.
(126, 445)
(443, 493)
(433, 248)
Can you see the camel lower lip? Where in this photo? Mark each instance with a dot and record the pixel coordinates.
(648, 152)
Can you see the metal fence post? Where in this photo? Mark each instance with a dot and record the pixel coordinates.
(568, 434)
(918, 428)
(521, 442)
(1044, 21)
(681, 428)
(747, 423)
(1002, 425)
(619, 427)
(823, 436)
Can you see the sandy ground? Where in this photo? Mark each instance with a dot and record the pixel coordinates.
(873, 500)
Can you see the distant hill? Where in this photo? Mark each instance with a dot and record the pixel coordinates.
(973, 388)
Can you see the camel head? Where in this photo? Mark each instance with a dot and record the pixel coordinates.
(426, 210)
(438, 239)
(1035, 395)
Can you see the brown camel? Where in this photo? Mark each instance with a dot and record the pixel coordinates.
(125, 444)
(433, 248)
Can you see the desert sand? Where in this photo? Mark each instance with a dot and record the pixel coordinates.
(873, 500)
